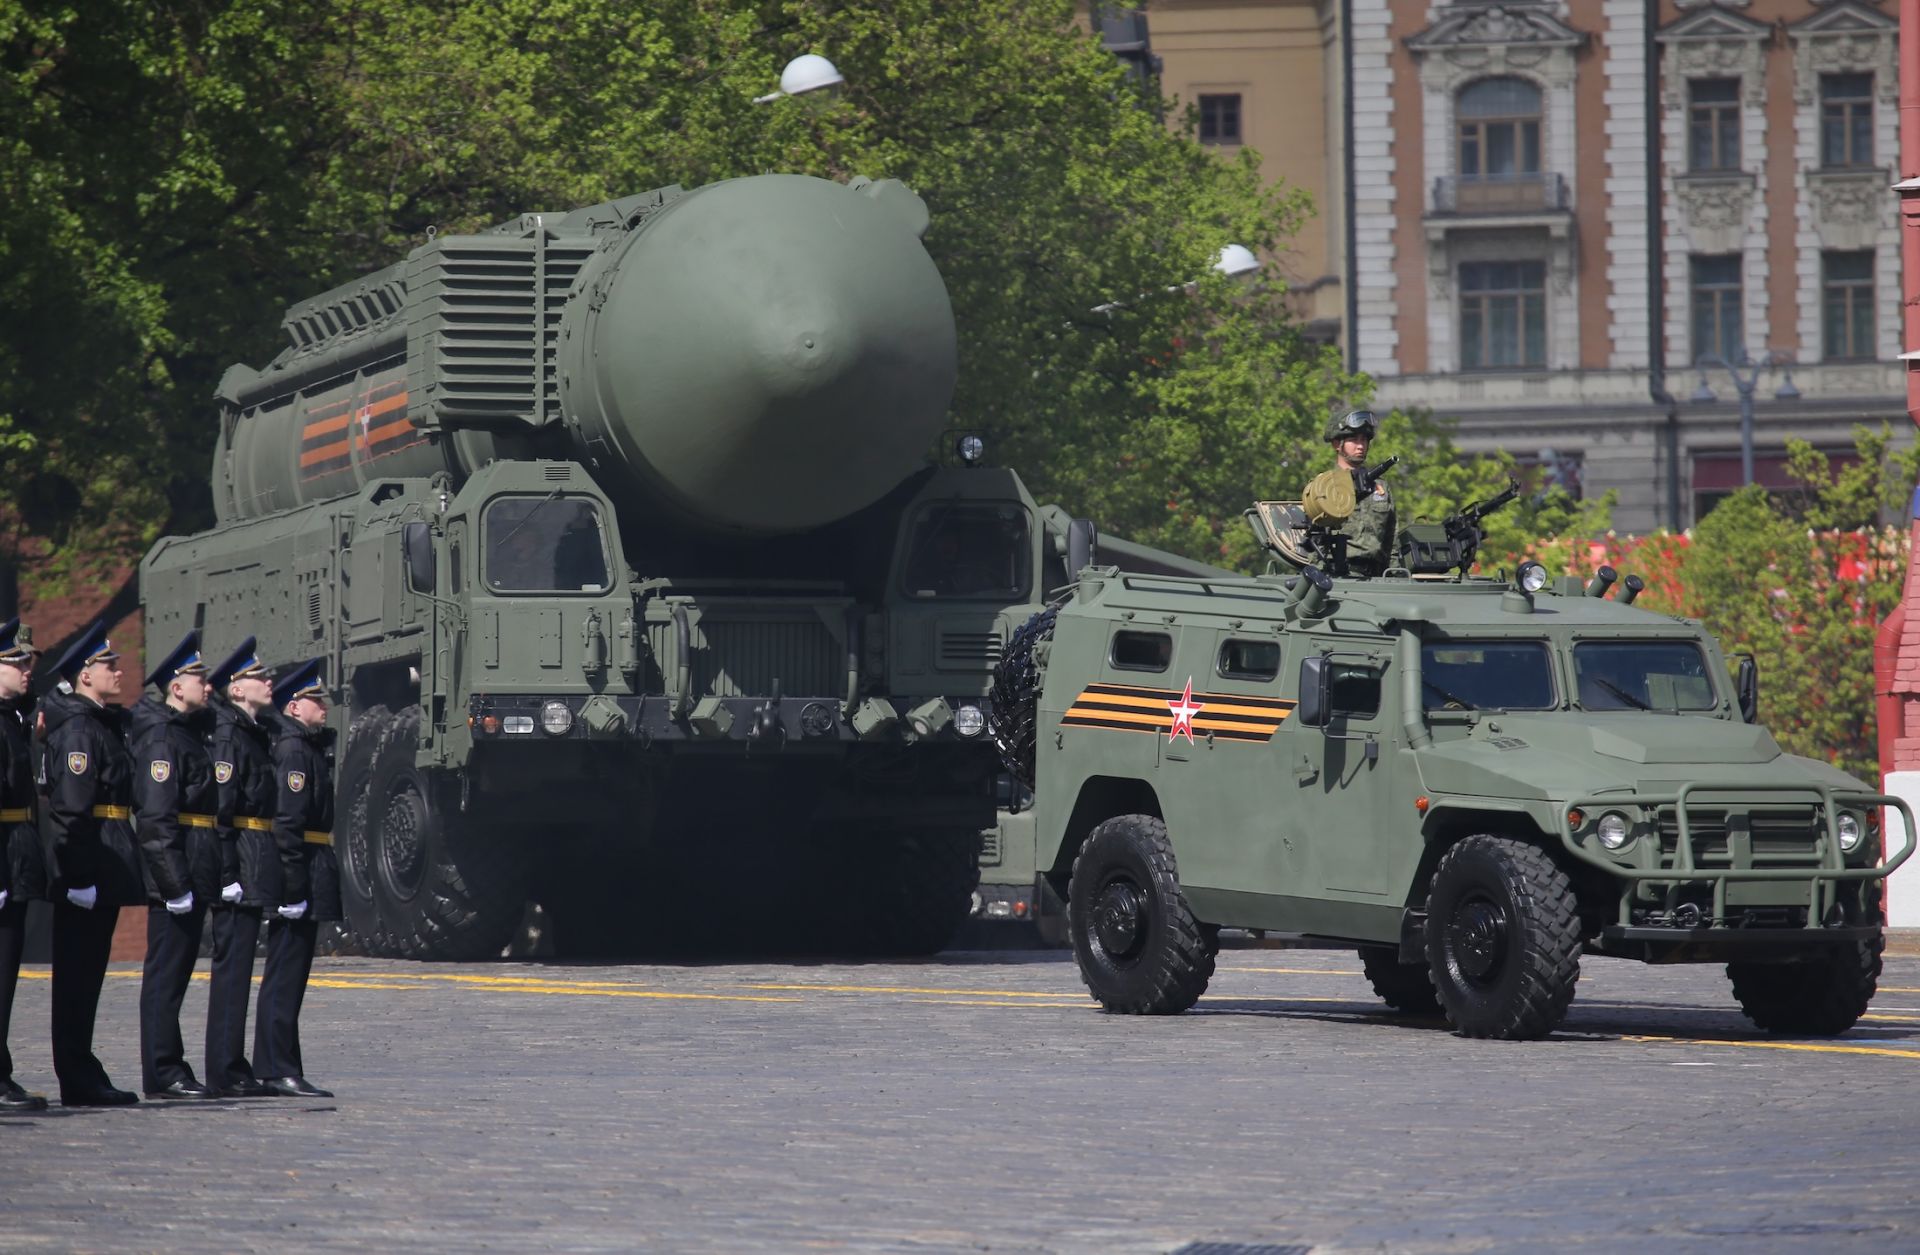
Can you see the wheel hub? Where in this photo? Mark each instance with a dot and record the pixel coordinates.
(1120, 920)
(401, 841)
(1477, 939)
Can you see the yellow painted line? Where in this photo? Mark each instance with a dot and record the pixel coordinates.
(329, 983)
(1809, 1047)
(1897, 989)
(575, 991)
(974, 1002)
(1899, 1019)
(909, 989)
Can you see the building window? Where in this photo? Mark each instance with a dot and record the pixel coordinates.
(1503, 315)
(1846, 287)
(1717, 326)
(1220, 119)
(1713, 124)
(1846, 120)
(1499, 131)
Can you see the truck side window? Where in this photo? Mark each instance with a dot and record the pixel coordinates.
(545, 544)
(1142, 651)
(1356, 690)
(979, 550)
(1249, 660)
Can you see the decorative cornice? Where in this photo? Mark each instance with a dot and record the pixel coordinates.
(1712, 22)
(1495, 26)
(1845, 37)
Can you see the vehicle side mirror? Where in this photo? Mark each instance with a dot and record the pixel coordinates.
(416, 548)
(1083, 546)
(1316, 692)
(1746, 685)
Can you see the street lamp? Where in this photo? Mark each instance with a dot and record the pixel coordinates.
(1744, 383)
(1235, 261)
(806, 73)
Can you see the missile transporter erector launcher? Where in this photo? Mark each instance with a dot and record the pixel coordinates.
(637, 595)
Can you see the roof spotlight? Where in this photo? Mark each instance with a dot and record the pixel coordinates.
(1532, 576)
(970, 449)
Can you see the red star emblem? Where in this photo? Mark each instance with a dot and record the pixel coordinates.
(1183, 712)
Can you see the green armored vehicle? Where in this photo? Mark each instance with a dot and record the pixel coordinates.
(1472, 781)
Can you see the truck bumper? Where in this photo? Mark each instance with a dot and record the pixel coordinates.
(1722, 945)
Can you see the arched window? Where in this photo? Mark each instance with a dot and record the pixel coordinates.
(1499, 120)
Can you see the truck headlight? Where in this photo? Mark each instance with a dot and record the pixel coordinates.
(1851, 830)
(1614, 830)
(968, 721)
(555, 718)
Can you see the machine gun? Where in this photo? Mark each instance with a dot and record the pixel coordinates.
(1365, 477)
(1452, 543)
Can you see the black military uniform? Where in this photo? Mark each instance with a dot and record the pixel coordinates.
(173, 801)
(306, 891)
(87, 778)
(243, 822)
(23, 870)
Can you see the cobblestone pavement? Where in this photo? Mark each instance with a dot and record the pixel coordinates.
(978, 1102)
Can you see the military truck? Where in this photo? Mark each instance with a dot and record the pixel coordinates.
(617, 533)
(1473, 781)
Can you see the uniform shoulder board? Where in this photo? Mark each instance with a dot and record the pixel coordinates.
(296, 780)
(223, 772)
(160, 769)
(77, 763)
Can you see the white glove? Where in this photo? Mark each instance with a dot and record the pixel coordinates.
(297, 911)
(3, 899)
(180, 905)
(84, 898)
(231, 893)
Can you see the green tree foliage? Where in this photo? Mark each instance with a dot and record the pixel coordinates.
(179, 173)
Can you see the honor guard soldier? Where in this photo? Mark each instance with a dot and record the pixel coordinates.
(1369, 526)
(243, 822)
(23, 872)
(308, 889)
(173, 803)
(88, 781)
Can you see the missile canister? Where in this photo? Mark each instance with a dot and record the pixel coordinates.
(760, 356)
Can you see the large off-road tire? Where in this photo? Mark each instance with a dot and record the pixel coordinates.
(916, 889)
(1013, 701)
(1138, 945)
(1406, 987)
(1818, 997)
(1502, 939)
(352, 831)
(444, 886)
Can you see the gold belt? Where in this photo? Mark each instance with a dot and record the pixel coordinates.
(113, 812)
(197, 821)
(318, 838)
(252, 824)
(16, 815)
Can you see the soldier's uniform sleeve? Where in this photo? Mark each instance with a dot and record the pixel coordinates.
(156, 811)
(72, 774)
(294, 782)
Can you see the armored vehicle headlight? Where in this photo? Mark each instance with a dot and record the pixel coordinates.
(1851, 830)
(1614, 830)
(1532, 576)
(971, 449)
(518, 725)
(968, 721)
(556, 718)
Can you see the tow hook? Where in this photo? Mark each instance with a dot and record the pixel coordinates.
(767, 725)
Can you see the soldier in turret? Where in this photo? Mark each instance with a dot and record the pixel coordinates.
(87, 777)
(307, 889)
(23, 872)
(243, 822)
(1369, 528)
(174, 799)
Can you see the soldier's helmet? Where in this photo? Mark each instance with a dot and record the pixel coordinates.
(1352, 423)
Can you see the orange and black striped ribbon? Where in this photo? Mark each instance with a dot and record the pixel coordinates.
(1226, 716)
(376, 426)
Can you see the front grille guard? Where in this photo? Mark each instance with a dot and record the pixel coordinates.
(1822, 880)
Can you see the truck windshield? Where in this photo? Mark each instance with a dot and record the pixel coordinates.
(550, 544)
(969, 550)
(1642, 675)
(1485, 675)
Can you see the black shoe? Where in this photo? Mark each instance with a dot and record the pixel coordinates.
(105, 1096)
(248, 1088)
(13, 1098)
(294, 1087)
(181, 1091)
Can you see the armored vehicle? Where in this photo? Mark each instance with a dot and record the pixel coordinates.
(1473, 781)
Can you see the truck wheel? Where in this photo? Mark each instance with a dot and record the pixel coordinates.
(1139, 947)
(354, 831)
(1503, 939)
(1405, 987)
(919, 889)
(444, 886)
(1013, 700)
(1818, 997)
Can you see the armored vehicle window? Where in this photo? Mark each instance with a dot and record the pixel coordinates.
(1250, 660)
(976, 550)
(1642, 675)
(1142, 651)
(1485, 675)
(548, 544)
(1356, 689)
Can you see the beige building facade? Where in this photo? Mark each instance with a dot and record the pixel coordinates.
(1550, 220)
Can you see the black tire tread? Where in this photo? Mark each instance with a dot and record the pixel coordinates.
(1550, 966)
(1185, 960)
(1405, 987)
(1823, 997)
(1013, 701)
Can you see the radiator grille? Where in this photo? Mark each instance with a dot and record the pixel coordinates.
(970, 649)
(1777, 832)
(743, 657)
